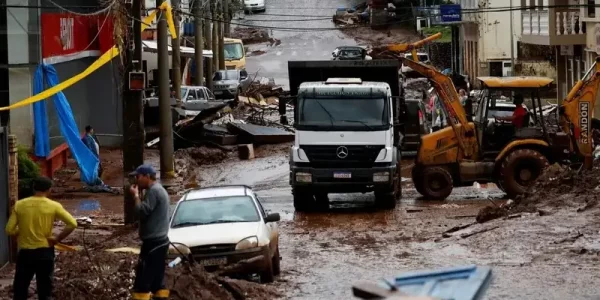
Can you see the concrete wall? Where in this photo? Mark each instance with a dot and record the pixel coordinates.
(94, 101)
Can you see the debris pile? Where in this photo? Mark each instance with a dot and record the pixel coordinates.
(251, 35)
(350, 16)
(109, 276)
(557, 188)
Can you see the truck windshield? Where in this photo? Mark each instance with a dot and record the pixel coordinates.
(233, 51)
(342, 114)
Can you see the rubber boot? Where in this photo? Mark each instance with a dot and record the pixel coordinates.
(141, 296)
(161, 295)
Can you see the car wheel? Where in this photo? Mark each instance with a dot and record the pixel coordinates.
(268, 275)
(322, 201)
(276, 263)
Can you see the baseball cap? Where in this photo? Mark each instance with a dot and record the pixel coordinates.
(143, 170)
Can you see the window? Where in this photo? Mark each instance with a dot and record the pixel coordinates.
(591, 9)
(201, 95)
(233, 51)
(192, 95)
(215, 210)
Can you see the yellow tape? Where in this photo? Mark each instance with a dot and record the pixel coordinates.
(102, 60)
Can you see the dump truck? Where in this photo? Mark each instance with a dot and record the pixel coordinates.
(348, 121)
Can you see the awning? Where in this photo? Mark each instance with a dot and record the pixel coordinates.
(152, 46)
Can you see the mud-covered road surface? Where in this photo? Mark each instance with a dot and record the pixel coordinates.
(324, 253)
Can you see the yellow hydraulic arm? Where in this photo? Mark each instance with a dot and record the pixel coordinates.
(402, 48)
(577, 110)
(450, 99)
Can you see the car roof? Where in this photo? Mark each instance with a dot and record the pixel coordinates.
(217, 191)
(516, 82)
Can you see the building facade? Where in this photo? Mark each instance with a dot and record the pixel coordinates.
(41, 32)
(560, 25)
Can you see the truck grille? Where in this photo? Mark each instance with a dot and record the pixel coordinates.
(221, 87)
(212, 249)
(325, 156)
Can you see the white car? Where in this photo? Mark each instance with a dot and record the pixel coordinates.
(254, 5)
(227, 225)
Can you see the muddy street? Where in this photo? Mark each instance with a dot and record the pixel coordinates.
(324, 253)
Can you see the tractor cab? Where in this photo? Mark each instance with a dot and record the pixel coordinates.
(495, 106)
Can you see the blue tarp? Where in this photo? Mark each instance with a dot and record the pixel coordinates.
(87, 161)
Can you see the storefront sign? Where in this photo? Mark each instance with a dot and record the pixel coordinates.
(68, 37)
(451, 13)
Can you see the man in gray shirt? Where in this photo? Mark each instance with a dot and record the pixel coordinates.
(153, 214)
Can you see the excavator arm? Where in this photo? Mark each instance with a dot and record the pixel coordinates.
(577, 110)
(403, 48)
(450, 100)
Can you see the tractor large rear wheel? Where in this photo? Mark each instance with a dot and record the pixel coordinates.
(520, 169)
(437, 183)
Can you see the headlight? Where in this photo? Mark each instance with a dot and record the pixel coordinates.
(381, 177)
(232, 86)
(303, 177)
(247, 243)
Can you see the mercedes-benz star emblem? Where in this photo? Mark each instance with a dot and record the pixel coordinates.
(342, 152)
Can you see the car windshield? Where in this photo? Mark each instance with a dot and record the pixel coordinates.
(215, 210)
(330, 113)
(226, 75)
(233, 51)
(183, 91)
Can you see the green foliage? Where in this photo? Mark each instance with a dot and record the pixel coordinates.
(28, 170)
(445, 30)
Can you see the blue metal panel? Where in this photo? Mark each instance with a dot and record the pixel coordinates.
(459, 283)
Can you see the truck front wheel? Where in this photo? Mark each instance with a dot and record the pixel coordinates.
(303, 200)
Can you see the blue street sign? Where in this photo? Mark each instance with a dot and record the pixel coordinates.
(451, 13)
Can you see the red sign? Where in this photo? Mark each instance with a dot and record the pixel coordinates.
(65, 34)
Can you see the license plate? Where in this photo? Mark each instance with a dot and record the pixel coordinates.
(213, 261)
(342, 175)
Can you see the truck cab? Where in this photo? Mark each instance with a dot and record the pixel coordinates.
(344, 142)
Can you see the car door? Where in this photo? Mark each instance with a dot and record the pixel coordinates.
(272, 227)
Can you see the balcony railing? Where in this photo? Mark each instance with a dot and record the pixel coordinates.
(537, 22)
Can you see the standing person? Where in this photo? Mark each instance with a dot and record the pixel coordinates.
(91, 141)
(463, 96)
(31, 220)
(153, 213)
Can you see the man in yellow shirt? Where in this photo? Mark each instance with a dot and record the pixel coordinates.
(31, 220)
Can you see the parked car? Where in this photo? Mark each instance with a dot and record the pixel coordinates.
(350, 53)
(228, 84)
(254, 5)
(225, 225)
(193, 100)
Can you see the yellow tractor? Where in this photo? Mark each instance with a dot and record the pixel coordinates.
(487, 149)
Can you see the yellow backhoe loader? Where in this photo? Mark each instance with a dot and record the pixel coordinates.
(489, 150)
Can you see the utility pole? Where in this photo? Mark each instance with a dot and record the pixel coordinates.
(167, 172)
(208, 38)
(199, 43)
(512, 42)
(133, 125)
(221, 38)
(227, 18)
(215, 35)
(175, 45)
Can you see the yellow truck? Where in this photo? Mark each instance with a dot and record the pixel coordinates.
(235, 54)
